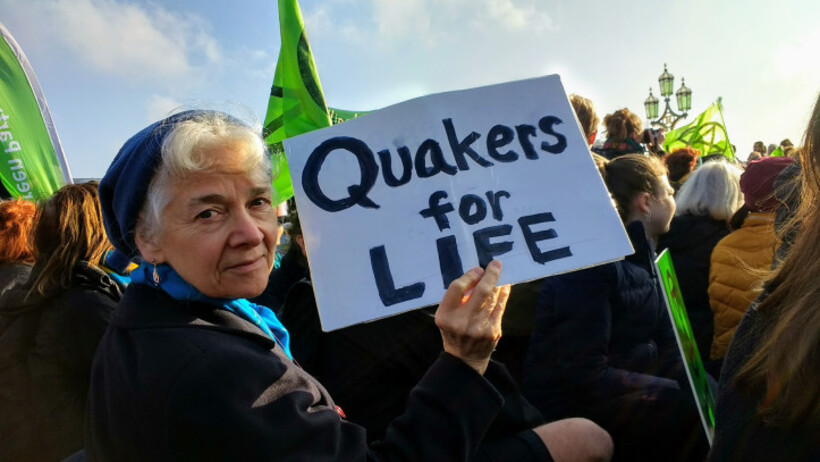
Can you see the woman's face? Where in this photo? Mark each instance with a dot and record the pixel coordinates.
(661, 207)
(219, 230)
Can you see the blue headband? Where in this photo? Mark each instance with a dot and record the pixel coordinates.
(125, 184)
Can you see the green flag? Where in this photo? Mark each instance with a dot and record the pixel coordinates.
(778, 152)
(296, 103)
(703, 393)
(707, 133)
(32, 163)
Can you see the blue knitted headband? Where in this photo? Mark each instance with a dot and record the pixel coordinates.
(124, 187)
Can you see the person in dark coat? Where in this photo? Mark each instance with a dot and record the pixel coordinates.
(624, 134)
(768, 403)
(190, 370)
(603, 347)
(16, 220)
(293, 267)
(705, 204)
(50, 327)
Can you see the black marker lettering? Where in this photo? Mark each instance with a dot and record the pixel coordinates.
(388, 293)
(357, 193)
(462, 148)
(546, 126)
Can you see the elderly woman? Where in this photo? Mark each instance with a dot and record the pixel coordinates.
(190, 370)
(705, 203)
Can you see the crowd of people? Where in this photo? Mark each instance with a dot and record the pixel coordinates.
(150, 316)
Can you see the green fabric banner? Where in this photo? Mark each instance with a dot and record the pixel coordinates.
(707, 133)
(296, 102)
(32, 163)
(704, 395)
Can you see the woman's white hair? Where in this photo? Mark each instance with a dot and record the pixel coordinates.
(713, 190)
(181, 156)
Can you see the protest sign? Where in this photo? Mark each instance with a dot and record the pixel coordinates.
(396, 204)
(704, 396)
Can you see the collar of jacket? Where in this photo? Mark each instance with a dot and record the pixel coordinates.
(144, 307)
(15, 301)
(644, 255)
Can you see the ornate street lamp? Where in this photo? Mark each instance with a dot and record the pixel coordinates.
(669, 118)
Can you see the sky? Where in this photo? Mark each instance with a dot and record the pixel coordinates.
(108, 68)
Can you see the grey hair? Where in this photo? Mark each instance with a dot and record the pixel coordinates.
(181, 156)
(713, 190)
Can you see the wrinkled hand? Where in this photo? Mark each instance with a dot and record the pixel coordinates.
(470, 324)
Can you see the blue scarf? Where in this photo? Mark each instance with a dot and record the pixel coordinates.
(172, 284)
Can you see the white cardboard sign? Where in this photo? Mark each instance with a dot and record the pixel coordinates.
(396, 204)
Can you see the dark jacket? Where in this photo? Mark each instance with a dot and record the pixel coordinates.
(740, 434)
(600, 333)
(12, 274)
(291, 270)
(47, 345)
(603, 348)
(690, 241)
(186, 381)
(370, 369)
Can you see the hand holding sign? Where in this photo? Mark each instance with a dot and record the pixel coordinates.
(471, 328)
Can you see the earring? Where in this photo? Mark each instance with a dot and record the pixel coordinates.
(155, 274)
(649, 215)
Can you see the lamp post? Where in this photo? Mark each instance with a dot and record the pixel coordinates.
(669, 118)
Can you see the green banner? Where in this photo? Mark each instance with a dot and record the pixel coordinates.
(704, 395)
(32, 163)
(296, 103)
(707, 134)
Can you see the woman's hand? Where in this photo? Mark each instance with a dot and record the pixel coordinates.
(470, 322)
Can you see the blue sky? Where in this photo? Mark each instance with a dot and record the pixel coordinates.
(110, 67)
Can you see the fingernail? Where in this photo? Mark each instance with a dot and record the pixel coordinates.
(496, 264)
(477, 271)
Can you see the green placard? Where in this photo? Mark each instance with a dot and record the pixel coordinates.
(32, 163)
(704, 396)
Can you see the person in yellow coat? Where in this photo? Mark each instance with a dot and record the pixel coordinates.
(739, 259)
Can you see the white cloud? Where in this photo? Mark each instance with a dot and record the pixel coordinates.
(429, 22)
(138, 43)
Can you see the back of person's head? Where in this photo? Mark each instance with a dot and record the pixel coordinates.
(760, 147)
(587, 117)
(754, 155)
(16, 219)
(757, 183)
(772, 148)
(622, 124)
(713, 190)
(681, 162)
(69, 230)
(628, 176)
(786, 143)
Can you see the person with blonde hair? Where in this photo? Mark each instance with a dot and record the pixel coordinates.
(705, 203)
(768, 399)
(587, 117)
(16, 220)
(50, 327)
